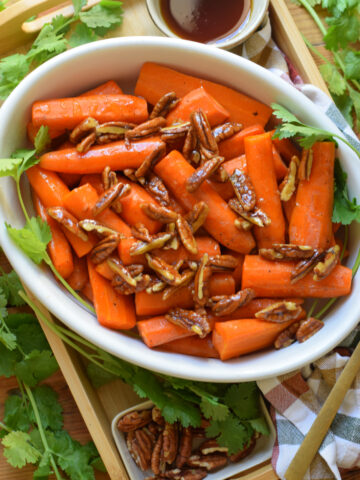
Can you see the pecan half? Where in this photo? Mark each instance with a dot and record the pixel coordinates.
(161, 214)
(145, 129)
(189, 474)
(121, 286)
(116, 130)
(170, 442)
(104, 248)
(163, 106)
(150, 160)
(209, 462)
(257, 216)
(156, 285)
(211, 446)
(185, 447)
(287, 336)
(305, 167)
(140, 232)
(201, 282)
(157, 464)
(134, 420)
(286, 252)
(172, 133)
(114, 193)
(157, 241)
(139, 454)
(185, 278)
(223, 263)
(164, 270)
(308, 328)
(130, 174)
(86, 143)
(82, 130)
(157, 417)
(174, 243)
(189, 150)
(305, 266)
(203, 172)
(243, 224)
(244, 190)
(226, 304)
(68, 221)
(186, 236)
(194, 321)
(279, 312)
(226, 130)
(156, 187)
(201, 126)
(124, 272)
(289, 182)
(197, 216)
(90, 225)
(324, 268)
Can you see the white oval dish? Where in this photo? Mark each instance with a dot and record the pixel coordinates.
(120, 59)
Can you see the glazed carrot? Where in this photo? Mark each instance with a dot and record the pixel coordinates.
(224, 189)
(48, 186)
(272, 279)
(131, 206)
(238, 163)
(158, 330)
(205, 245)
(285, 147)
(258, 151)
(155, 80)
(87, 292)
(153, 303)
(195, 100)
(115, 155)
(61, 113)
(254, 306)
(234, 146)
(112, 310)
(93, 179)
(280, 168)
(314, 201)
(237, 273)
(107, 88)
(32, 131)
(79, 277)
(80, 203)
(59, 248)
(175, 170)
(288, 207)
(238, 337)
(199, 347)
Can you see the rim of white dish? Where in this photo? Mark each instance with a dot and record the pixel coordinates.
(249, 367)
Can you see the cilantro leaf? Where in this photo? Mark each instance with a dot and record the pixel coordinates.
(345, 104)
(100, 17)
(8, 339)
(213, 409)
(78, 5)
(12, 70)
(50, 410)
(3, 303)
(352, 65)
(36, 366)
(10, 284)
(230, 433)
(344, 29)
(333, 78)
(47, 44)
(243, 399)
(16, 414)
(81, 35)
(345, 211)
(98, 376)
(283, 114)
(18, 449)
(42, 140)
(9, 167)
(8, 360)
(355, 97)
(177, 409)
(260, 425)
(147, 385)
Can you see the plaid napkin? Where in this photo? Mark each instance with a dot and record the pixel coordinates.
(296, 398)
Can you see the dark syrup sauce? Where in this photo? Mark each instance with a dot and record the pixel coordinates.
(206, 21)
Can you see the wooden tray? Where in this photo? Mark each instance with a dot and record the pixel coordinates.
(98, 407)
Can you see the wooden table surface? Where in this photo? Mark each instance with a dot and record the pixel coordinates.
(72, 418)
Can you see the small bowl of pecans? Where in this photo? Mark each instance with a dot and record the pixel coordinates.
(152, 448)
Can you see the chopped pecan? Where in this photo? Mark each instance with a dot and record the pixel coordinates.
(197, 216)
(140, 232)
(86, 143)
(155, 186)
(91, 225)
(114, 129)
(201, 126)
(124, 272)
(306, 162)
(163, 106)
(174, 243)
(164, 270)
(108, 138)
(279, 312)
(156, 212)
(186, 236)
(114, 193)
(157, 241)
(105, 177)
(186, 277)
(185, 447)
(195, 321)
(157, 464)
(156, 416)
(226, 130)
(104, 248)
(202, 173)
(156, 285)
(172, 133)
(201, 282)
(152, 159)
(257, 216)
(220, 175)
(308, 328)
(243, 224)
(209, 462)
(189, 474)
(109, 180)
(226, 304)
(82, 130)
(140, 455)
(145, 129)
(130, 174)
(286, 251)
(289, 183)
(121, 286)
(170, 442)
(305, 266)
(68, 221)
(211, 446)
(134, 420)
(244, 190)
(287, 336)
(189, 150)
(324, 268)
(221, 263)
(244, 452)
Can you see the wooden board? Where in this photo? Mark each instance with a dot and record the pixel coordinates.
(98, 407)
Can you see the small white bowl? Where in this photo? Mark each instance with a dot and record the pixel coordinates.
(260, 454)
(258, 9)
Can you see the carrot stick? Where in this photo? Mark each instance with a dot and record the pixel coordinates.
(158, 330)
(115, 155)
(59, 248)
(237, 273)
(234, 146)
(87, 292)
(224, 189)
(70, 179)
(80, 203)
(107, 88)
(280, 168)
(258, 151)
(205, 245)
(285, 147)
(272, 279)
(66, 113)
(155, 80)
(254, 306)
(238, 337)
(153, 303)
(288, 207)
(79, 277)
(93, 179)
(199, 347)
(314, 201)
(112, 310)
(238, 163)
(175, 170)
(195, 100)
(48, 186)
